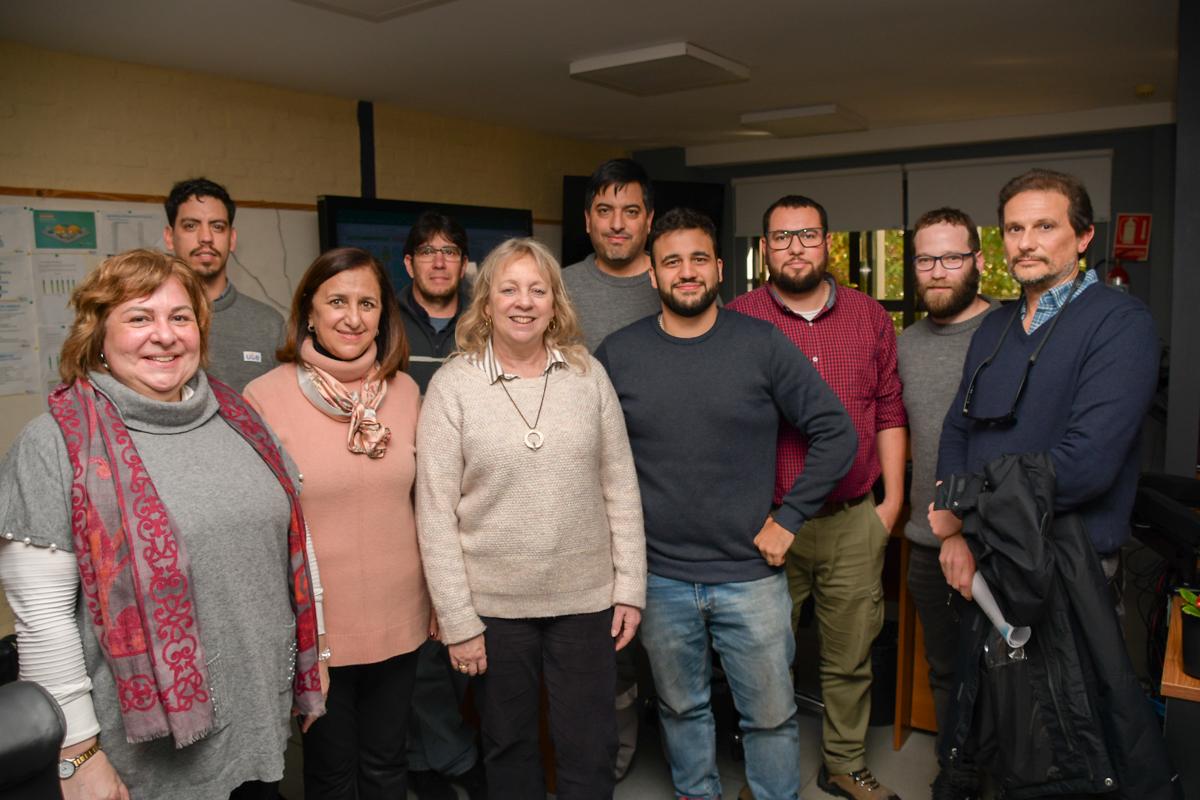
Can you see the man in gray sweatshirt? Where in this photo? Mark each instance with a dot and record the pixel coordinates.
(245, 333)
(947, 262)
(611, 288)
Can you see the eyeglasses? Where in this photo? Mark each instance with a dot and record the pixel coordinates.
(949, 261)
(1011, 417)
(449, 252)
(781, 240)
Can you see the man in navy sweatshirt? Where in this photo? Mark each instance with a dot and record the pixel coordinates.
(1084, 399)
(1068, 370)
(704, 391)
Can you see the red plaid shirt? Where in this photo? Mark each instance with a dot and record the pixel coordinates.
(853, 345)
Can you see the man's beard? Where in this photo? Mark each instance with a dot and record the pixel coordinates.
(962, 295)
(691, 309)
(798, 284)
(621, 256)
(439, 295)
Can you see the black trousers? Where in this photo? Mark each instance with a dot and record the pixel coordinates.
(575, 656)
(357, 750)
(256, 790)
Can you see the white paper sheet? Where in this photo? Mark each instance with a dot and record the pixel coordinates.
(15, 231)
(125, 231)
(55, 277)
(18, 354)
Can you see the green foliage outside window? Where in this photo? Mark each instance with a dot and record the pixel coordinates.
(996, 281)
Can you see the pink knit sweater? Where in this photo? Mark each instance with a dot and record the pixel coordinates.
(360, 511)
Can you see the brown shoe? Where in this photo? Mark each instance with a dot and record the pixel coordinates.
(859, 785)
(745, 793)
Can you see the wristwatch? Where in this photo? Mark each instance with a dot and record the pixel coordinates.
(67, 767)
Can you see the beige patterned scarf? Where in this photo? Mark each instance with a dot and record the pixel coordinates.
(366, 434)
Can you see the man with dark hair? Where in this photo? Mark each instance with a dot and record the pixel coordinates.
(1069, 373)
(947, 262)
(708, 388)
(441, 746)
(611, 288)
(837, 557)
(245, 332)
(435, 255)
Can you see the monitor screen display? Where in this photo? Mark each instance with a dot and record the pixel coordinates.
(381, 227)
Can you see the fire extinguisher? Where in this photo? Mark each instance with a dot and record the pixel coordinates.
(1117, 277)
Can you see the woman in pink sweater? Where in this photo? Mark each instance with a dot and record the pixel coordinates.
(347, 415)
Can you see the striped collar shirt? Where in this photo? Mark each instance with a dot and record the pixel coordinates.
(1053, 300)
(489, 364)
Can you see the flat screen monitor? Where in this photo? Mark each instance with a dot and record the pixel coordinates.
(381, 226)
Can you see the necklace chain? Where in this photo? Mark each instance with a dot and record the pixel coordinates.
(532, 428)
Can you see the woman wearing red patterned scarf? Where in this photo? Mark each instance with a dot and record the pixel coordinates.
(154, 554)
(346, 412)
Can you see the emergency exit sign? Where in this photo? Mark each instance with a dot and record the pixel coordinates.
(1132, 242)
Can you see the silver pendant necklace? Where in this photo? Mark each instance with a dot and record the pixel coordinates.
(533, 437)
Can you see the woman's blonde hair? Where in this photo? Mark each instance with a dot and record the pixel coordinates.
(475, 326)
(125, 276)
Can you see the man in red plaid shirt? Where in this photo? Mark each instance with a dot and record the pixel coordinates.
(838, 555)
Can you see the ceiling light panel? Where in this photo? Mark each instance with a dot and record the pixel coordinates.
(661, 69)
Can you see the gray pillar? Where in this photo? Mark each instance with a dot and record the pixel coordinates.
(1183, 397)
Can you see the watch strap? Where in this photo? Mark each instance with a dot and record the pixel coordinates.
(68, 766)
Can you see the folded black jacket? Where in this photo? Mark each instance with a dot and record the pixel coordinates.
(1065, 714)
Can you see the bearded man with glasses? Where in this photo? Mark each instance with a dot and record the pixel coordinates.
(441, 746)
(947, 263)
(837, 556)
(435, 255)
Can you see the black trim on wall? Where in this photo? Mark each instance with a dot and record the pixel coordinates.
(366, 147)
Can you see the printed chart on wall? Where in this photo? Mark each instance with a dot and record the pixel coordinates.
(44, 254)
(49, 244)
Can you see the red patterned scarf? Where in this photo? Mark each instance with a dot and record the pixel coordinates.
(138, 594)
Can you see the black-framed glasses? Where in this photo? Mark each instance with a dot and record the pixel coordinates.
(950, 261)
(1011, 417)
(781, 240)
(449, 252)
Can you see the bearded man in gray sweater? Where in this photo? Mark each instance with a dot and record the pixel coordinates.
(245, 332)
(947, 263)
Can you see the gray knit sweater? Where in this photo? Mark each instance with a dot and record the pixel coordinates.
(607, 303)
(232, 516)
(510, 532)
(930, 359)
(245, 334)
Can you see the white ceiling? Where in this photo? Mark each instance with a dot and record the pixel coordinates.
(895, 64)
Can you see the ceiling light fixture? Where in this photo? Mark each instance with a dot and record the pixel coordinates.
(372, 10)
(661, 69)
(805, 121)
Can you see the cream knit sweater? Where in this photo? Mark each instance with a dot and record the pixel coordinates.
(510, 532)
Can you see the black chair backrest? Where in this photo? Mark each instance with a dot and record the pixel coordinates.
(30, 740)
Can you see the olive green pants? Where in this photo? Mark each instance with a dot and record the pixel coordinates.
(837, 560)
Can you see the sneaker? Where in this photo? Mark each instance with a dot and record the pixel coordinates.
(473, 781)
(952, 785)
(859, 785)
(427, 784)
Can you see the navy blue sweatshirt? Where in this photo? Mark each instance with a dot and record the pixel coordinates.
(703, 416)
(1084, 404)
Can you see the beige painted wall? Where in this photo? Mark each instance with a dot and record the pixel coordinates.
(84, 124)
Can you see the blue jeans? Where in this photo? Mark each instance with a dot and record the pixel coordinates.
(749, 625)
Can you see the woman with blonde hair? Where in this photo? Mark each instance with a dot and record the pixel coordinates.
(154, 554)
(347, 413)
(530, 525)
